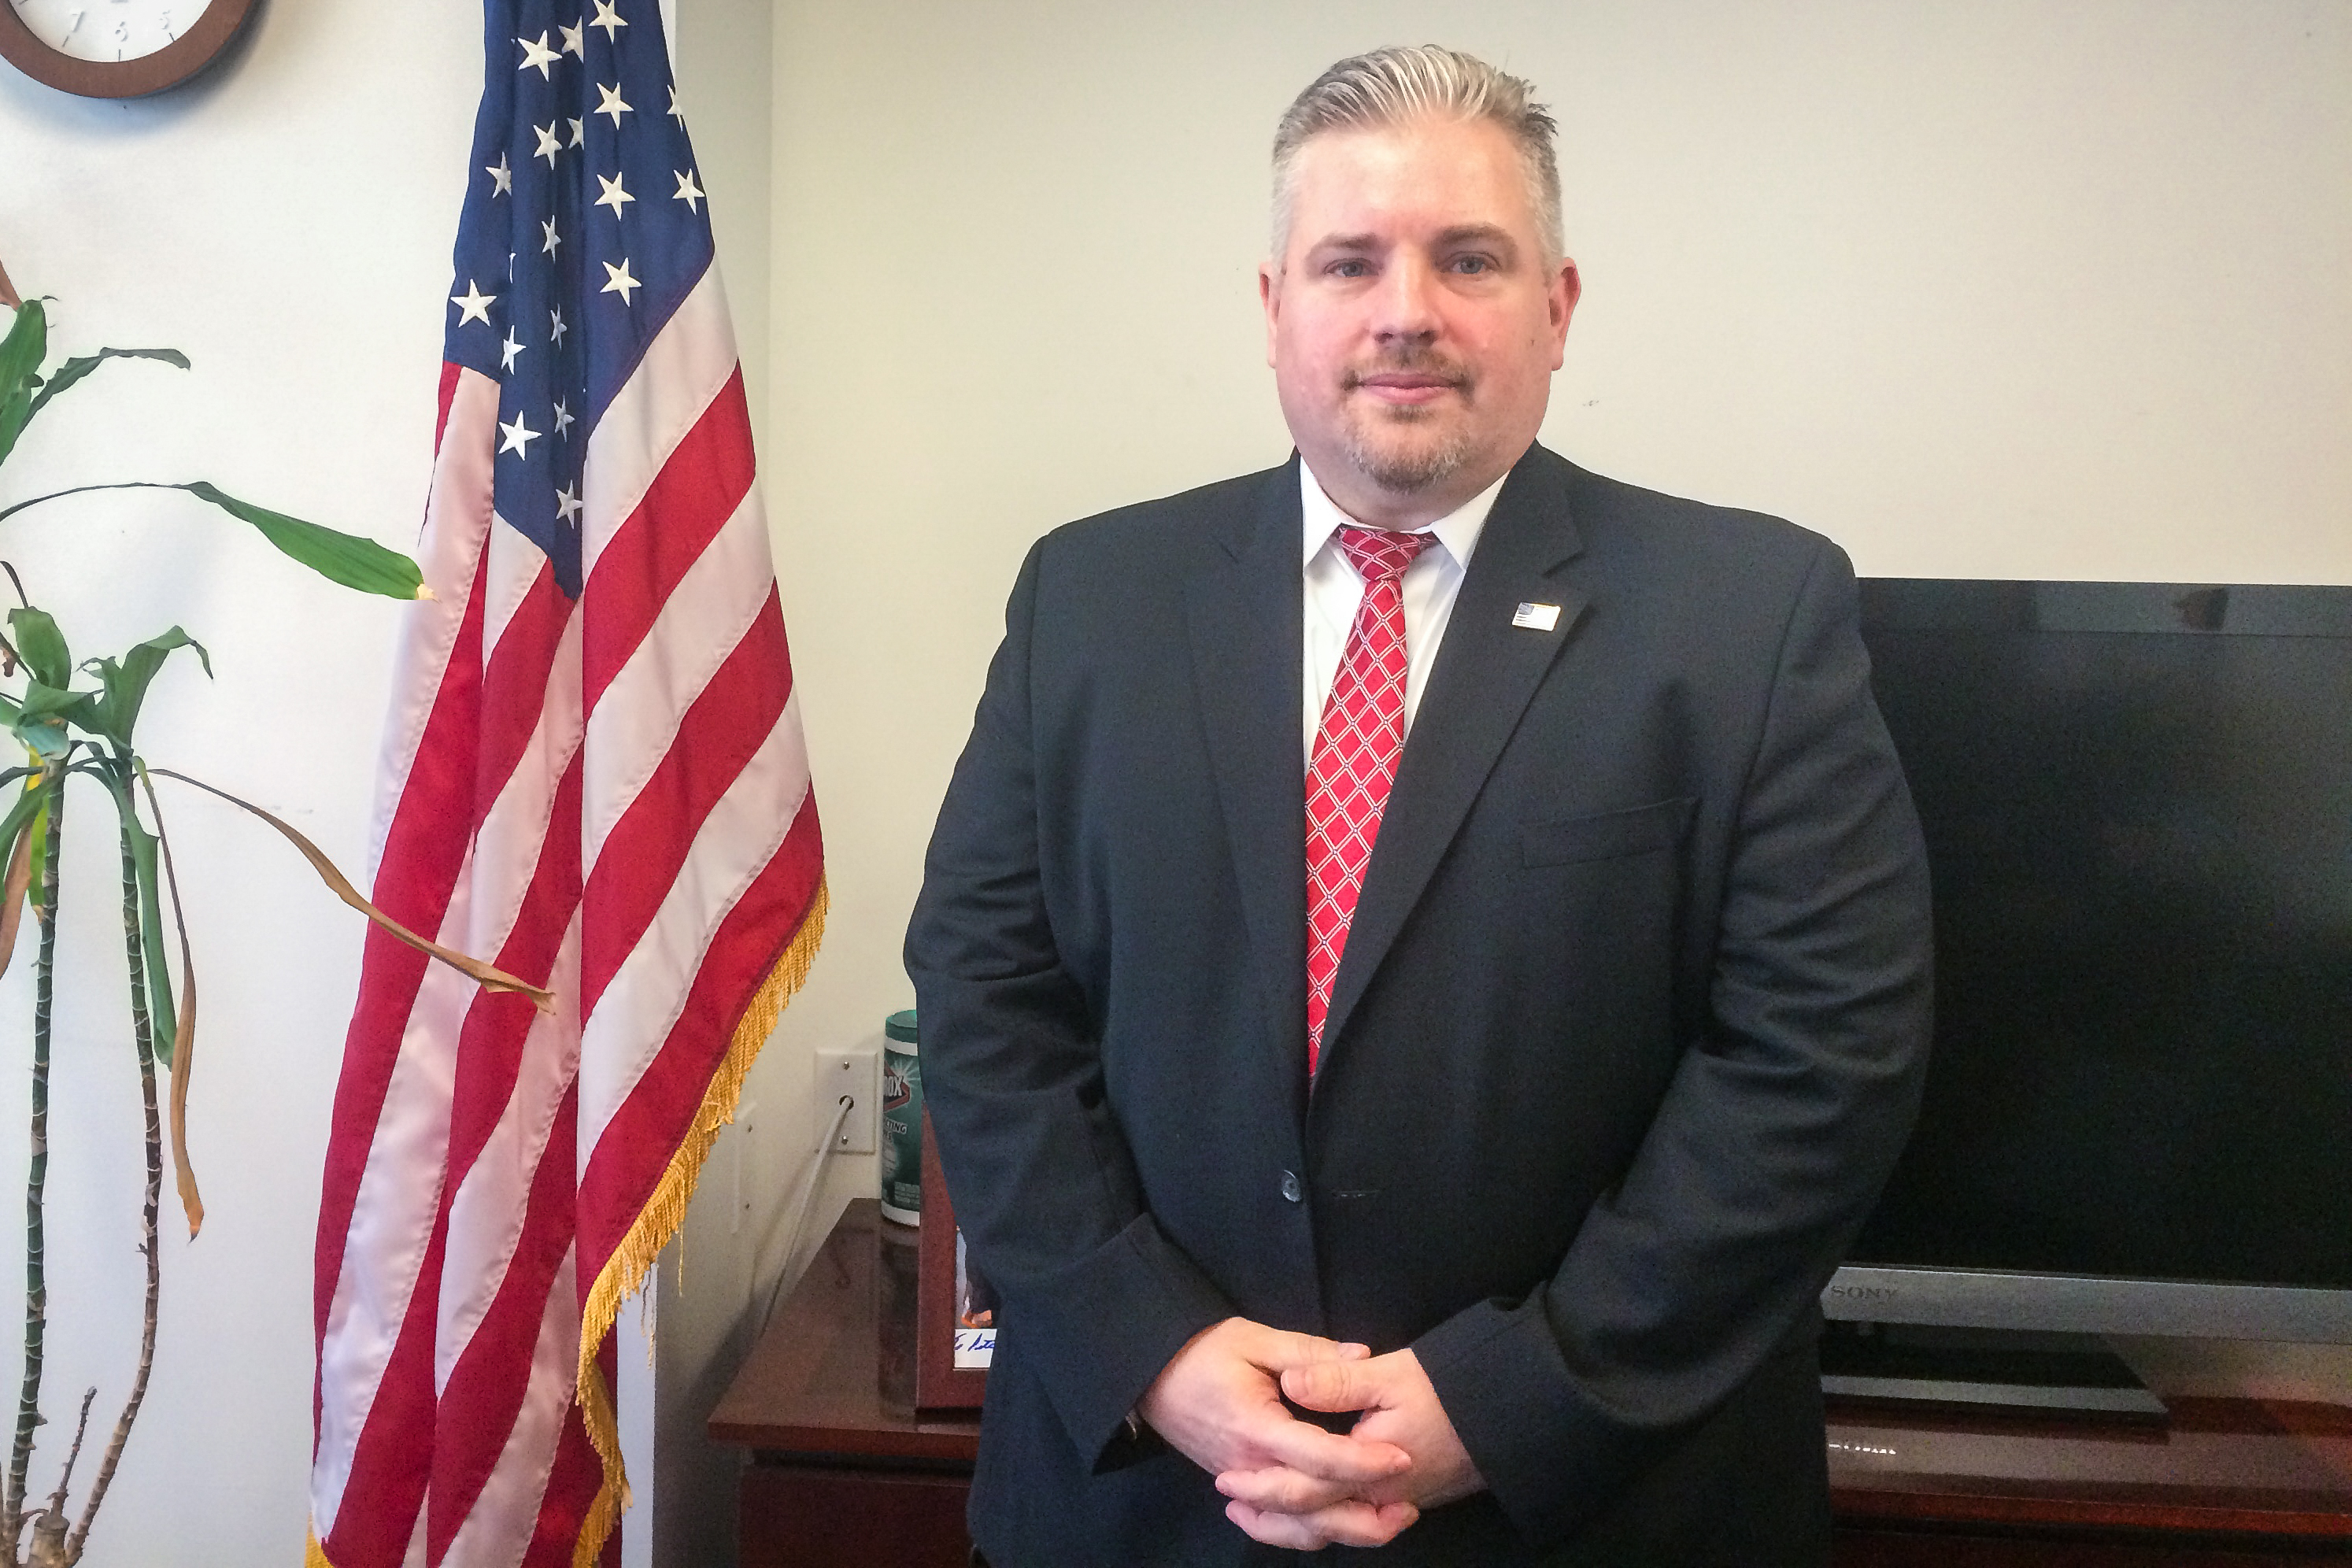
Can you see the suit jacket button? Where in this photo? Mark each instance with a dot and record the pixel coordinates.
(1290, 1188)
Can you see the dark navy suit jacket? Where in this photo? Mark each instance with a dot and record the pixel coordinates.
(1629, 1029)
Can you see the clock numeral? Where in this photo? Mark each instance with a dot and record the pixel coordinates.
(122, 32)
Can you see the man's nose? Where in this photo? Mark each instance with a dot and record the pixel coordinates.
(1405, 305)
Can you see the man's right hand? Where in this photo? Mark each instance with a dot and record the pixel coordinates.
(1219, 1403)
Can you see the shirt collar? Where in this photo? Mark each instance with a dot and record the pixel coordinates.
(1457, 531)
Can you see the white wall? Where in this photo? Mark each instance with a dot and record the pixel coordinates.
(286, 221)
(2008, 290)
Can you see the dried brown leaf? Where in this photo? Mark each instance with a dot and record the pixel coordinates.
(490, 977)
(12, 894)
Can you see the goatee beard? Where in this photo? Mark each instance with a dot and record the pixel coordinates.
(1406, 472)
(1412, 471)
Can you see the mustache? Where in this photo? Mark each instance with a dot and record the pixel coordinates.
(1407, 362)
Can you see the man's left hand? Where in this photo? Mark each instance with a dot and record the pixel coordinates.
(1282, 1506)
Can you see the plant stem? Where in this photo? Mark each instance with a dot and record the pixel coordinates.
(83, 489)
(143, 1036)
(36, 1294)
(58, 1498)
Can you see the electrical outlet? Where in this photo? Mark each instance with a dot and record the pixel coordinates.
(857, 1077)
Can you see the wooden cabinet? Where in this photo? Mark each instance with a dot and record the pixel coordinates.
(836, 1476)
(2235, 1481)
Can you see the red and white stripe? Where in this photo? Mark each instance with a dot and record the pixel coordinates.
(611, 798)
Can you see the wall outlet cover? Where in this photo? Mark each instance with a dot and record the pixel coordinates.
(855, 1076)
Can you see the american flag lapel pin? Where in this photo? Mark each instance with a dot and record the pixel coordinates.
(1536, 617)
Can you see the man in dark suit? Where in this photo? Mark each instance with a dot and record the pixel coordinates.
(1473, 984)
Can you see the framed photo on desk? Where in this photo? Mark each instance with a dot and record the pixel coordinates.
(955, 1312)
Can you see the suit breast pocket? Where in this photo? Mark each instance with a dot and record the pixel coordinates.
(1606, 835)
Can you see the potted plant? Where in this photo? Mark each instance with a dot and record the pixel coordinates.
(79, 721)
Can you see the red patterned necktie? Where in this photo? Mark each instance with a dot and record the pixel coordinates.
(1355, 759)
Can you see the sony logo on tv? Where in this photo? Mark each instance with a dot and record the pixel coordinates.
(1865, 1292)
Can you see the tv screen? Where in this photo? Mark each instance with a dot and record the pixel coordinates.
(2137, 804)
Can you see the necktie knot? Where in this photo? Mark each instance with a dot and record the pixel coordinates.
(1380, 554)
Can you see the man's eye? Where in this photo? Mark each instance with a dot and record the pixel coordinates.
(1473, 264)
(1351, 267)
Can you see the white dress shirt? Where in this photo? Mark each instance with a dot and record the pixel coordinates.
(1334, 589)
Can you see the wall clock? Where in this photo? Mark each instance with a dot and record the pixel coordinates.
(116, 49)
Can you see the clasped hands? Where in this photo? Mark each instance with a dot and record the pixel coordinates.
(1291, 1483)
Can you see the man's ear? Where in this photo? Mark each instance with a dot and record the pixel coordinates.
(1564, 289)
(1269, 298)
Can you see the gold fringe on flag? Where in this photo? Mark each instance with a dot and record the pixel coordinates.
(624, 1272)
(605, 1513)
(315, 1556)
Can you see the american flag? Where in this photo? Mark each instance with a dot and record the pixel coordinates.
(593, 775)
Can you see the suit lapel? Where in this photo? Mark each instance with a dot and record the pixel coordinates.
(1242, 615)
(1487, 669)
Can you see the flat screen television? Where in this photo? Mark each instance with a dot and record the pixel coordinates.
(2137, 804)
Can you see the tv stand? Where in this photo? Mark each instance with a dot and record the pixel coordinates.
(2011, 1372)
(835, 1477)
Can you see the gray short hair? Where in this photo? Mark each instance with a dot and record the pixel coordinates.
(1391, 86)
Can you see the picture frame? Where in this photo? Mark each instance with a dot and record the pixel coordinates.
(949, 1295)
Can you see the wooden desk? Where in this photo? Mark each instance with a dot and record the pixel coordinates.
(839, 1477)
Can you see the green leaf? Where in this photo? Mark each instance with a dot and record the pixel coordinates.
(73, 370)
(344, 558)
(43, 701)
(45, 737)
(30, 816)
(28, 805)
(41, 646)
(117, 711)
(46, 710)
(21, 353)
(155, 975)
(41, 831)
(163, 1023)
